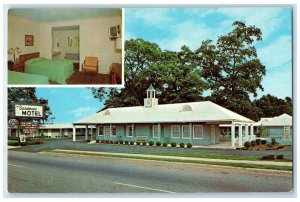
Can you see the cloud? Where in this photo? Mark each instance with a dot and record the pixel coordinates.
(277, 53)
(84, 111)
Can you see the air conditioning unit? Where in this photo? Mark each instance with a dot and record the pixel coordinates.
(114, 32)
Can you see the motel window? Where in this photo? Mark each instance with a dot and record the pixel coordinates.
(113, 130)
(101, 130)
(186, 132)
(287, 130)
(155, 131)
(129, 131)
(175, 131)
(198, 132)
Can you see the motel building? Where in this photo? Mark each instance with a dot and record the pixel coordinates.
(195, 122)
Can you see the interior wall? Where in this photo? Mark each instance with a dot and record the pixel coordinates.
(60, 42)
(94, 40)
(17, 29)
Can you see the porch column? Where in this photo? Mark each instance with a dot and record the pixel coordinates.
(251, 132)
(133, 130)
(233, 135)
(74, 133)
(91, 133)
(60, 131)
(240, 135)
(247, 132)
(97, 130)
(86, 132)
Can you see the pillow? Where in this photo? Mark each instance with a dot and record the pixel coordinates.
(33, 60)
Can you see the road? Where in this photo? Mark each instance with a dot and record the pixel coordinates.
(41, 173)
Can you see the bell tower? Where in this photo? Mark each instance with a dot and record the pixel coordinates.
(150, 101)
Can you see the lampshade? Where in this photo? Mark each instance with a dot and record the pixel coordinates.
(119, 43)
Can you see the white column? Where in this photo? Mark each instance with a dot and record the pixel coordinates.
(233, 135)
(133, 130)
(247, 132)
(60, 131)
(252, 132)
(74, 133)
(86, 132)
(97, 130)
(91, 133)
(240, 135)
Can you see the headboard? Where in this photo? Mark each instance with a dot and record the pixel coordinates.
(25, 57)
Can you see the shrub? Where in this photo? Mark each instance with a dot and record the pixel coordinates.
(258, 141)
(165, 144)
(126, 142)
(131, 143)
(181, 145)
(189, 145)
(158, 143)
(23, 143)
(107, 141)
(280, 156)
(273, 142)
(173, 144)
(247, 144)
(97, 141)
(144, 143)
(111, 142)
(268, 157)
(38, 142)
(121, 141)
(13, 143)
(264, 142)
(116, 142)
(88, 140)
(151, 143)
(253, 143)
(102, 141)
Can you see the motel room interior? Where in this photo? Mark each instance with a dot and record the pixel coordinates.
(64, 46)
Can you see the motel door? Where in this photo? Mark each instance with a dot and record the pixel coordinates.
(106, 132)
(212, 134)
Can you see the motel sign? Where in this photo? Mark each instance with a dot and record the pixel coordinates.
(29, 110)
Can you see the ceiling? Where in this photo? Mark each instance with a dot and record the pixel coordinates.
(62, 14)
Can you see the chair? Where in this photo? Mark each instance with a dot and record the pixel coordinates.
(115, 73)
(90, 64)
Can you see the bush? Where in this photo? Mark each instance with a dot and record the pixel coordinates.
(97, 141)
(247, 144)
(253, 143)
(88, 140)
(151, 143)
(264, 142)
(181, 145)
(158, 143)
(165, 144)
(111, 142)
(258, 141)
(280, 156)
(23, 143)
(173, 144)
(144, 143)
(121, 141)
(116, 142)
(189, 145)
(131, 143)
(273, 142)
(107, 141)
(126, 142)
(268, 157)
(102, 141)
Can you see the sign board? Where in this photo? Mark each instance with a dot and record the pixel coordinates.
(28, 110)
(13, 122)
(29, 131)
(22, 138)
(28, 125)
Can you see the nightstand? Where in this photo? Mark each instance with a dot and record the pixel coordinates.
(17, 68)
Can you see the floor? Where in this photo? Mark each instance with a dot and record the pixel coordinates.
(88, 78)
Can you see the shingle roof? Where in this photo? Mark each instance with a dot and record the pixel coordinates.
(205, 111)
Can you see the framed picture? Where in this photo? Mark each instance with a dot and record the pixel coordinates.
(29, 40)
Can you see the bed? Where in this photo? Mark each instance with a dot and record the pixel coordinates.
(24, 78)
(56, 70)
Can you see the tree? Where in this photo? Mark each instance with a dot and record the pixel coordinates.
(232, 69)
(27, 95)
(175, 75)
(272, 106)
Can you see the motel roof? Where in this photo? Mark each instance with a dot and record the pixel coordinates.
(282, 120)
(205, 111)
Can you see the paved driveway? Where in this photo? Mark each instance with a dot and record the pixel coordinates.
(67, 143)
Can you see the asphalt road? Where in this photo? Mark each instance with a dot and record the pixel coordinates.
(40, 173)
(67, 143)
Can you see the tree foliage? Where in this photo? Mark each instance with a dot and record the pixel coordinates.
(27, 95)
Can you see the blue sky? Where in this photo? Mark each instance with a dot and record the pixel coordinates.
(70, 104)
(172, 28)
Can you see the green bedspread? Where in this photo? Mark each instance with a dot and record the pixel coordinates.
(23, 78)
(56, 70)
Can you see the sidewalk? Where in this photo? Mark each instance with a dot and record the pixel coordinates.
(275, 163)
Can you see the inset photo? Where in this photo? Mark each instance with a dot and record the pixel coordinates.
(64, 46)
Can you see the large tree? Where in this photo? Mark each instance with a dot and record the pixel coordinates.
(232, 69)
(175, 75)
(27, 95)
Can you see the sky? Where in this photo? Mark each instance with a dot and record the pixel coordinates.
(172, 28)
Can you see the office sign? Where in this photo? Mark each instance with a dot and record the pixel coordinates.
(29, 110)
(28, 125)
